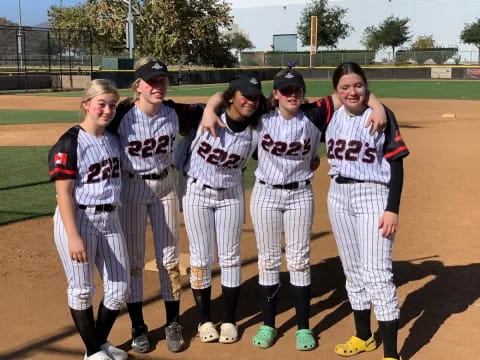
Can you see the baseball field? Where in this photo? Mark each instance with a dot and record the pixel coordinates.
(436, 252)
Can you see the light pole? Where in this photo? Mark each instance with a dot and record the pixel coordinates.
(19, 33)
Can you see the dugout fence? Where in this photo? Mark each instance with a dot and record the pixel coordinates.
(44, 58)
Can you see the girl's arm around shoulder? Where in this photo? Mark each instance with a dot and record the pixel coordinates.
(378, 118)
(210, 119)
(189, 115)
(320, 111)
(123, 107)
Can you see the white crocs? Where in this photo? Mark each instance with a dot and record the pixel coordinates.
(228, 333)
(114, 352)
(207, 332)
(99, 355)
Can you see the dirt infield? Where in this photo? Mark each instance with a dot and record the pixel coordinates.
(436, 261)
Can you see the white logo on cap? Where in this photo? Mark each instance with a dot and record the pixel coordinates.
(157, 66)
(253, 81)
(289, 75)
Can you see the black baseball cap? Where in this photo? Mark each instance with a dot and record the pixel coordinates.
(247, 84)
(150, 70)
(290, 78)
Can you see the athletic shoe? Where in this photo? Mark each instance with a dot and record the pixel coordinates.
(173, 334)
(140, 342)
(114, 352)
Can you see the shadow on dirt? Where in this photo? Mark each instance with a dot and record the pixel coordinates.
(451, 290)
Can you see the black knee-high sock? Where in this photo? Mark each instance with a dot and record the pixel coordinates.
(362, 324)
(269, 296)
(85, 325)
(301, 300)
(389, 330)
(202, 300)
(230, 301)
(172, 309)
(104, 323)
(136, 314)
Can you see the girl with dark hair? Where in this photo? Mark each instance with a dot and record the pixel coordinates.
(214, 204)
(363, 205)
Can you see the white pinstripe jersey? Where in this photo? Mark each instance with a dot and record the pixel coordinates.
(147, 142)
(218, 162)
(352, 152)
(93, 162)
(287, 147)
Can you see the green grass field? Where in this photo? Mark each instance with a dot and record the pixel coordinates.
(421, 89)
(11, 117)
(25, 190)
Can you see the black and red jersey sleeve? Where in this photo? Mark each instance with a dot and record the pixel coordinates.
(62, 157)
(123, 107)
(189, 115)
(394, 147)
(320, 112)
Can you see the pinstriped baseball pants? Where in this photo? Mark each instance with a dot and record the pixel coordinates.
(214, 215)
(157, 200)
(106, 249)
(271, 209)
(355, 210)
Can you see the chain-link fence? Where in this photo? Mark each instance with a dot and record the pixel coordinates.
(327, 58)
(39, 58)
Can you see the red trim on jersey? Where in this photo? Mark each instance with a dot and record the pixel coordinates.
(329, 110)
(395, 152)
(63, 171)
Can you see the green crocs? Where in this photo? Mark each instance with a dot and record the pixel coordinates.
(265, 337)
(305, 340)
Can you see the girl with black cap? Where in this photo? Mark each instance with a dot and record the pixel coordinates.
(147, 129)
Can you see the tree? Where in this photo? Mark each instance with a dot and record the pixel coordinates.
(423, 42)
(169, 29)
(471, 35)
(5, 21)
(238, 40)
(392, 32)
(331, 27)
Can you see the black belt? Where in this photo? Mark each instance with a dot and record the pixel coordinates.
(160, 176)
(291, 186)
(99, 208)
(204, 186)
(339, 179)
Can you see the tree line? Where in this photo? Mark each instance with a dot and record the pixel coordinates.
(203, 31)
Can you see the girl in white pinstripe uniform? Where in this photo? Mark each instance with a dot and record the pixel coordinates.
(147, 129)
(363, 204)
(213, 204)
(289, 136)
(85, 166)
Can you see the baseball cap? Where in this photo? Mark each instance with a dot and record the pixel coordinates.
(150, 70)
(290, 78)
(247, 84)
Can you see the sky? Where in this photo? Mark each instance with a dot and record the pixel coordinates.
(261, 19)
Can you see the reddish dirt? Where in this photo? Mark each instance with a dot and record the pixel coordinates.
(435, 263)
